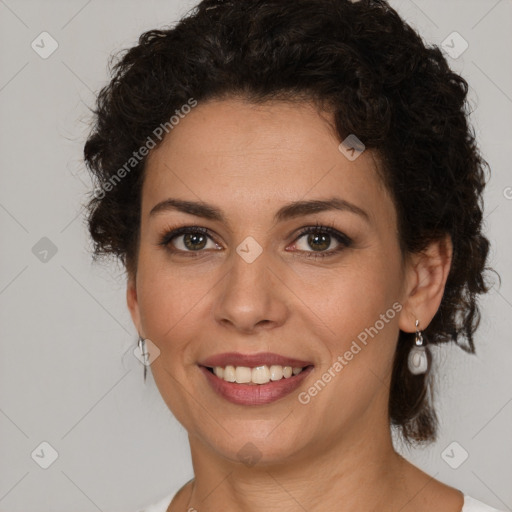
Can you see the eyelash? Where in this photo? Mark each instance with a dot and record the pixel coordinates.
(344, 241)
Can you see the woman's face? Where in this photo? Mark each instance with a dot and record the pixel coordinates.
(252, 283)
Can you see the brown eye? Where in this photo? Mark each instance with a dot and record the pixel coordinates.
(188, 239)
(194, 241)
(321, 241)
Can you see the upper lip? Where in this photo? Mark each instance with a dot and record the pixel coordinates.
(252, 360)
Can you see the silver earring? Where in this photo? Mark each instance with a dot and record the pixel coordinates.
(417, 360)
(143, 353)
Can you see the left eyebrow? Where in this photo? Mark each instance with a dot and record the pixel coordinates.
(289, 211)
(299, 208)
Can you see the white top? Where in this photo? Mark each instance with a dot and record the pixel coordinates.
(470, 505)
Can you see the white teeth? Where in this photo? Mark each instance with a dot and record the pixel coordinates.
(276, 372)
(257, 375)
(229, 374)
(243, 374)
(260, 375)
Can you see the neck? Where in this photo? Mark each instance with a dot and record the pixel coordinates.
(359, 469)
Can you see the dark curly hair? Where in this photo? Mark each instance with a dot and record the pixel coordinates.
(358, 61)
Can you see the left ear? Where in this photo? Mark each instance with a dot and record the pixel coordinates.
(133, 303)
(426, 275)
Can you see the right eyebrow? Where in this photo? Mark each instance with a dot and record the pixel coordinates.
(199, 209)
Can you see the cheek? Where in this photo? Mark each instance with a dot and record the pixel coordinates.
(169, 299)
(352, 297)
(362, 316)
(359, 309)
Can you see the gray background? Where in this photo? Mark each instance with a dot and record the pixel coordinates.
(67, 374)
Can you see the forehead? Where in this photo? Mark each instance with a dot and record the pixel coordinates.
(255, 157)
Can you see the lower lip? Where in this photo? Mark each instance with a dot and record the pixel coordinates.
(255, 394)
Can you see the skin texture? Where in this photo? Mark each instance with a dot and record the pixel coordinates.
(248, 161)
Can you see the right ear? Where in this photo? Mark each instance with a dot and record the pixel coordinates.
(133, 303)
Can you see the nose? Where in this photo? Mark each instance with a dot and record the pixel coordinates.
(252, 297)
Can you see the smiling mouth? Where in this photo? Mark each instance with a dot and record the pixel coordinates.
(257, 375)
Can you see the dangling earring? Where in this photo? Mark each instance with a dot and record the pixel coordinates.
(143, 353)
(417, 361)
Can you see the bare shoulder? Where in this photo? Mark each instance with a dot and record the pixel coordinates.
(181, 498)
(424, 493)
